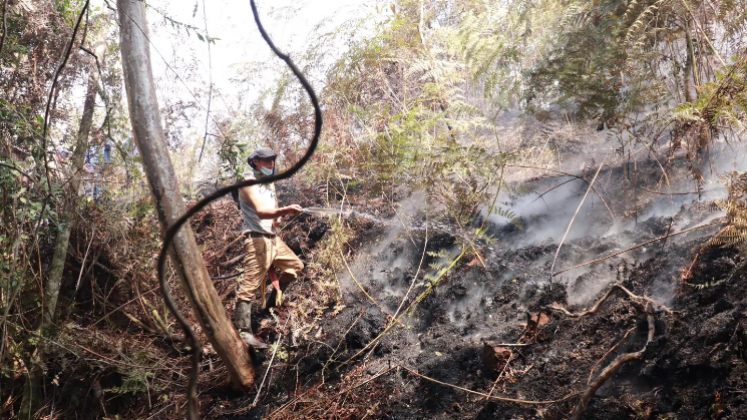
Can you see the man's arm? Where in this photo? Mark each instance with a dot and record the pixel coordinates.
(249, 196)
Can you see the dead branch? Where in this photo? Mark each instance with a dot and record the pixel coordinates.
(17, 170)
(607, 373)
(99, 357)
(232, 261)
(500, 375)
(123, 305)
(83, 264)
(513, 344)
(668, 193)
(225, 248)
(595, 308)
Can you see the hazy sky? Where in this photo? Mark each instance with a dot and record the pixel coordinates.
(289, 23)
(243, 66)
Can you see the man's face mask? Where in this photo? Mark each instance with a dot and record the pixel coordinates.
(267, 171)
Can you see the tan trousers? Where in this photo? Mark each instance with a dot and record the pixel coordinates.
(261, 254)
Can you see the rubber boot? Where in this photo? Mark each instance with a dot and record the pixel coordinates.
(242, 318)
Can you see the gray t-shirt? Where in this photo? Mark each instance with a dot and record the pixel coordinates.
(266, 195)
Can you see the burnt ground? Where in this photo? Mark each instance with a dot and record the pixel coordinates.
(693, 369)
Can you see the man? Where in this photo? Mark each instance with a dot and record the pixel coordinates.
(264, 249)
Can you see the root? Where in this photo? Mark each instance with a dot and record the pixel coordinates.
(645, 305)
(610, 370)
(635, 298)
(591, 374)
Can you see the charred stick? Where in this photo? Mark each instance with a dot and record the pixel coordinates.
(272, 359)
(500, 375)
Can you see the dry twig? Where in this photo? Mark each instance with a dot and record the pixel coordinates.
(573, 219)
(504, 399)
(609, 210)
(661, 238)
(272, 359)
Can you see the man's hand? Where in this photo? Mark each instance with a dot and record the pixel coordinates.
(292, 210)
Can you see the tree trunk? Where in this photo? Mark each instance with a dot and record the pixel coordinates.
(68, 214)
(32, 390)
(184, 253)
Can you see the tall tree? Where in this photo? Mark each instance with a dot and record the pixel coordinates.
(185, 255)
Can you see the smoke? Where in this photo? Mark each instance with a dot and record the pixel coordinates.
(640, 204)
(484, 302)
(382, 264)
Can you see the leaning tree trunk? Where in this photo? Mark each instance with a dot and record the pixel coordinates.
(32, 388)
(184, 253)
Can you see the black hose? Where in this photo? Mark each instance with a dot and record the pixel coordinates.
(228, 277)
(192, 408)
